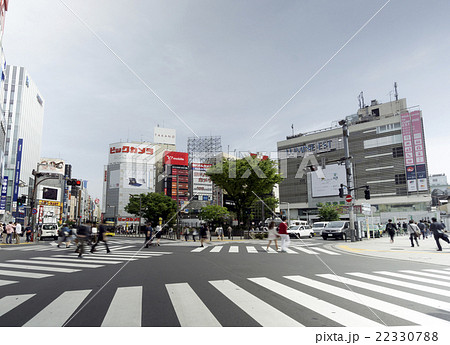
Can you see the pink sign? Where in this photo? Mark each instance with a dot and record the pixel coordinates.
(408, 151)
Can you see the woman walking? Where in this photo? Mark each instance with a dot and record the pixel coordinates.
(413, 230)
(273, 235)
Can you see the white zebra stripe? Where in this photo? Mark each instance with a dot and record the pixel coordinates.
(251, 249)
(24, 274)
(125, 309)
(332, 312)
(391, 292)
(190, 310)
(39, 268)
(389, 308)
(326, 251)
(233, 249)
(8, 303)
(260, 311)
(424, 274)
(7, 282)
(216, 249)
(67, 264)
(57, 312)
(419, 279)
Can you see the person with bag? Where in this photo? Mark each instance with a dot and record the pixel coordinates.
(282, 231)
(391, 228)
(414, 233)
(102, 230)
(148, 234)
(438, 232)
(272, 235)
(82, 236)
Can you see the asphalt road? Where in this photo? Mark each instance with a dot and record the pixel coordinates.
(229, 284)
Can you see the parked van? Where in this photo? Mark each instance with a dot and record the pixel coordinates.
(298, 222)
(318, 227)
(337, 229)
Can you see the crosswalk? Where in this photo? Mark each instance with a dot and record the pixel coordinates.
(255, 249)
(39, 267)
(375, 299)
(53, 248)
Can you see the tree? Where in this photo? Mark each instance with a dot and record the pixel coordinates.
(152, 207)
(244, 180)
(214, 213)
(328, 212)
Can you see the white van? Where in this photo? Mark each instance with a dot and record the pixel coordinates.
(318, 226)
(49, 230)
(298, 222)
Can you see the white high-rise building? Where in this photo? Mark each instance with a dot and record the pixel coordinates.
(24, 115)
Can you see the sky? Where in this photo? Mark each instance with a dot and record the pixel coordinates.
(112, 70)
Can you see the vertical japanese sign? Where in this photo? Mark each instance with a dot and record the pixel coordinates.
(17, 173)
(408, 152)
(419, 150)
(3, 195)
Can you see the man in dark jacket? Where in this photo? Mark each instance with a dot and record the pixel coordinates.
(101, 236)
(437, 230)
(148, 234)
(82, 236)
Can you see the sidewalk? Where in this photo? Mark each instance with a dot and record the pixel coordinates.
(400, 250)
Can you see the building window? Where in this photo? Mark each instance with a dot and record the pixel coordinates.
(383, 141)
(389, 128)
(397, 152)
(400, 179)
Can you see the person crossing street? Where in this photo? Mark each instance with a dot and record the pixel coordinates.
(102, 229)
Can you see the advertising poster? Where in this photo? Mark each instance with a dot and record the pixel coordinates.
(334, 176)
(408, 151)
(419, 150)
(51, 166)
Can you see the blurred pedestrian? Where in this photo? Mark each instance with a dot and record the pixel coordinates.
(391, 228)
(148, 234)
(230, 232)
(272, 235)
(422, 229)
(282, 231)
(438, 232)
(82, 236)
(9, 233)
(219, 232)
(18, 228)
(203, 234)
(101, 236)
(28, 232)
(414, 232)
(194, 233)
(158, 234)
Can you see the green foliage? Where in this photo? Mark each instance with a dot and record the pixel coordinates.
(244, 179)
(153, 206)
(214, 213)
(328, 212)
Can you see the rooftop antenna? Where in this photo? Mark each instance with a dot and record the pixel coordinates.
(395, 91)
(292, 129)
(361, 100)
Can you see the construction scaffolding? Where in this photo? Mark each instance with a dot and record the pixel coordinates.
(203, 149)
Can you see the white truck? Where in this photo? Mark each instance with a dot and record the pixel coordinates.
(49, 227)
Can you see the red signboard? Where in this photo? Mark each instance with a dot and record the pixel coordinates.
(176, 158)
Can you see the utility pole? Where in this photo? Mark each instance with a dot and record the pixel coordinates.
(349, 174)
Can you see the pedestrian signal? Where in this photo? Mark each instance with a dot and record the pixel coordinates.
(367, 193)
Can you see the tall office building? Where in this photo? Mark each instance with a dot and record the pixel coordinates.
(387, 147)
(3, 9)
(24, 114)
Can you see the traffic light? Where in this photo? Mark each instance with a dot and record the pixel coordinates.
(341, 191)
(73, 182)
(77, 183)
(367, 193)
(22, 200)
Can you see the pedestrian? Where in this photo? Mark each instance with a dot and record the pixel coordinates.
(82, 236)
(67, 235)
(414, 232)
(272, 235)
(158, 234)
(219, 232)
(3, 232)
(391, 228)
(230, 232)
(203, 234)
(101, 236)
(18, 229)
(61, 236)
(422, 229)
(194, 233)
(9, 233)
(186, 233)
(438, 233)
(148, 234)
(282, 231)
(28, 233)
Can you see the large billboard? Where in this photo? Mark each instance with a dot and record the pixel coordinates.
(51, 166)
(176, 158)
(419, 151)
(164, 136)
(329, 186)
(132, 152)
(201, 183)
